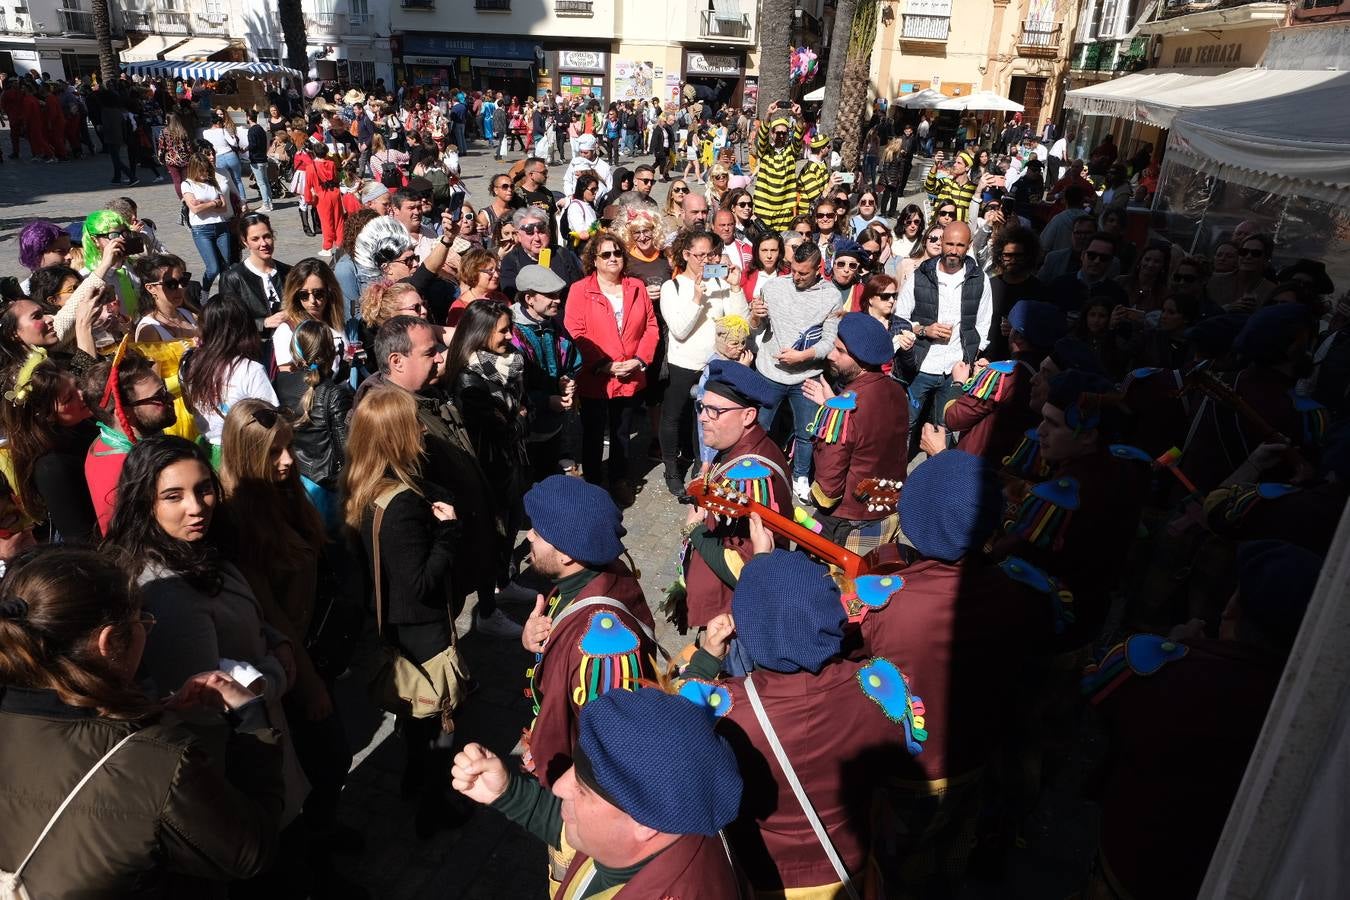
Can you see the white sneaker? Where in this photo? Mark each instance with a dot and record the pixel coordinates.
(498, 625)
(801, 489)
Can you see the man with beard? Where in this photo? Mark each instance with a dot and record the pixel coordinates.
(861, 433)
(130, 402)
(531, 192)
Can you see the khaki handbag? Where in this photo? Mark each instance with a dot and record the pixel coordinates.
(404, 686)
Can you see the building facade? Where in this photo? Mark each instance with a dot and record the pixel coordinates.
(55, 37)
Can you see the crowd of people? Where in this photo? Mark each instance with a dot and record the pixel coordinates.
(941, 452)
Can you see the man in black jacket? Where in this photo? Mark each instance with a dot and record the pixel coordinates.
(663, 141)
(532, 240)
(258, 141)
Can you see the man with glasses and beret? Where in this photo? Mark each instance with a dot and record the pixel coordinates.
(778, 144)
(862, 432)
(532, 248)
(751, 463)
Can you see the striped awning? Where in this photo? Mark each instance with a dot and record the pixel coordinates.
(211, 71)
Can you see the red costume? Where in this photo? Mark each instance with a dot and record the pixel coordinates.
(327, 200)
(55, 120)
(35, 126)
(871, 440)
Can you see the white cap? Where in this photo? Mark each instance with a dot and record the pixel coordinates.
(586, 142)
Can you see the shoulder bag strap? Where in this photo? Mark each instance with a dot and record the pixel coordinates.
(381, 504)
(786, 765)
(66, 802)
(579, 605)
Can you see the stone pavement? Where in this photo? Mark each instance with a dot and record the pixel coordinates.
(487, 857)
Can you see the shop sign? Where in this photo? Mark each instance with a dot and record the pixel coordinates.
(448, 45)
(1208, 55)
(712, 64)
(583, 61)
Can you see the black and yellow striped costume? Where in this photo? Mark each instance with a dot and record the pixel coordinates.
(776, 178)
(811, 183)
(946, 189)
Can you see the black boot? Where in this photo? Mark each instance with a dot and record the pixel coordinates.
(315, 227)
(304, 222)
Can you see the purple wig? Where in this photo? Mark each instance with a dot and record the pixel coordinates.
(34, 240)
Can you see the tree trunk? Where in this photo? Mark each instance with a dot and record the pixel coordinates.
(107, 57)
(293, 31)
(775, 19)
(853, 97)
(835, 73)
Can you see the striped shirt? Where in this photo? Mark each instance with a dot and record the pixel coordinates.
(947, 189)
(776, 179)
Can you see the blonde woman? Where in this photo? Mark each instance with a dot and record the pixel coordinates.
(381, 302)
(311, 292)
(418, 535)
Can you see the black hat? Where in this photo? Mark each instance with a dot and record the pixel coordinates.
(1313, 267)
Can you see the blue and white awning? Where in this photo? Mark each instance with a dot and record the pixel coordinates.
(211, 71)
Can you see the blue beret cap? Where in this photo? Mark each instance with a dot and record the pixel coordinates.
(1213, 336)
(853, 249)
(1275, 583)
(1067, 388)
(656, 757)
(1268, 332)
(788, 614)
(740, 383)
(950, 505)
(577, 517)
(866, 339)
(76, 231)
(1071, 353)
(1039, 322)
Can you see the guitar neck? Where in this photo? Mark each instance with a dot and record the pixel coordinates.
(851, 563)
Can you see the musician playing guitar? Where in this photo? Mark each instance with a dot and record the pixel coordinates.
(747, 458)
(861, 433)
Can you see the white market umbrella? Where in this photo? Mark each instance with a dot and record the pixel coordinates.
(924, 99)
(981, 100)
(815, 96)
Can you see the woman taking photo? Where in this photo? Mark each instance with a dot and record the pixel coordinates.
(613, 322)
(310, 292)
(322, 400)
(49, 430)
(690, 305)
(210, 209)
(223, 369)
(417, 538)
(72, 635)
(278, 536)
(257, 280)
(486, 375)
(579, 220)
(908, 228)
(164, 280)
(504, 236)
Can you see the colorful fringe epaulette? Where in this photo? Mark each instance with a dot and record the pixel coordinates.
(884, 684)
(831, 421)
(752, 478)
(1025, 462)
(1139, 654)
(1061, 598)
(1044, 515)
(991, 382)
(1313, 417)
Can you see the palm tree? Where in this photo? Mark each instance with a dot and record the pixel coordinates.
(107, 56)
(293, 31)
(775, 18)
(834, 72)
(853, 97)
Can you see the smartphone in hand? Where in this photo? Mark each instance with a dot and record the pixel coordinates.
(714, 270)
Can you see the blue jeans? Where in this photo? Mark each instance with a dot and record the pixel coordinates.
(926, 390)
(803, 411)
(228, 164)
(213, 243)
(264, 184)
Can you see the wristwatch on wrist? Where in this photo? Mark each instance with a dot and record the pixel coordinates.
(921, 330)
(445, 242)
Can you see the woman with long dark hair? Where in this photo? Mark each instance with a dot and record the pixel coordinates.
(24, 326)
(224, 369)
(72, 636)
(486, 374)
(163, 306)
(49, 429)
(311, 292)
(908, 232)
(579, 219)
(211, 207)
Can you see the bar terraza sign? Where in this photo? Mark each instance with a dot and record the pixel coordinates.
(1207, 54)
(712, 64)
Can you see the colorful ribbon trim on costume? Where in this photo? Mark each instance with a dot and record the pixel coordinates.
(1046, 512)
(1025, 461)
(831, 420)
(990, 382)
(754, 479)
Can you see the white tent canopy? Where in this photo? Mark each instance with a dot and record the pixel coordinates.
(150, 47)
(981, 100)
(211, 71)
(924, 99)
(1292, 142)
(815, 96)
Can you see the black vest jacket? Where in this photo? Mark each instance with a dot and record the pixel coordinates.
(926, 307)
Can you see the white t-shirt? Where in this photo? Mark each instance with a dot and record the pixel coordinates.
(614, 294)
(281, 345)
(224, 140)
(206, 193)
(245, 379)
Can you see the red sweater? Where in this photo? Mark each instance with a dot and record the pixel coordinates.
(102, 468)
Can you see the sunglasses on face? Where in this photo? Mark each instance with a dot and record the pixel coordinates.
(1095, 256)
(316, 293)
(933, 239)
(946, 214)
(821, 215)
(888, 295)
(609, 254)
(867, 203)
(115, 235)
(719, 176)
(845, 264)
(780, 134)
(172, 284)
(504, 184)
(679, 190)
(914, 221)
(418, 308)
(160, 396)
(1250, 252)
(410, 260)
(532, 228)
(644, 180)
(267, 418)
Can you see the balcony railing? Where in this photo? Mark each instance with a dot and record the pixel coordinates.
(492, 5)
(212, 19)
(17, 25)
(1039, 38)
(712, 25)
(933, 29)
(357, 19)
(171, 21)
(577, 9)
(75, 22)
(325, 18)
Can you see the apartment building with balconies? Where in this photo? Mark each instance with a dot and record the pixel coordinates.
(55, 37)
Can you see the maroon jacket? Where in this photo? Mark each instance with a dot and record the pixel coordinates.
(993, 427)
(876, 446)
(959, 633)
(1167, 795)
(695, 867)
(708, 595)
(842, 747)
(1222, 439)
(556, 684)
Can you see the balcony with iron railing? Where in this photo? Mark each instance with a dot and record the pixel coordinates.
(574, 9)
(212, 21)
(492, 5)
(324, 18)
(172, 21)
(17, 25)
(75, 22)
(1039, 38)
(722, 27)
(925, 29)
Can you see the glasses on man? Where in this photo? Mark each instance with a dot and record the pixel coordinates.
(161, 396)
(532, 228)
(714, 412)
(1094, 256)
(1250, 252)
(645, 180)
(780, 133)
(316, 293)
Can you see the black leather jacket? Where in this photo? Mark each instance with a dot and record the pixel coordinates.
(321, 442)
(239, 281)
